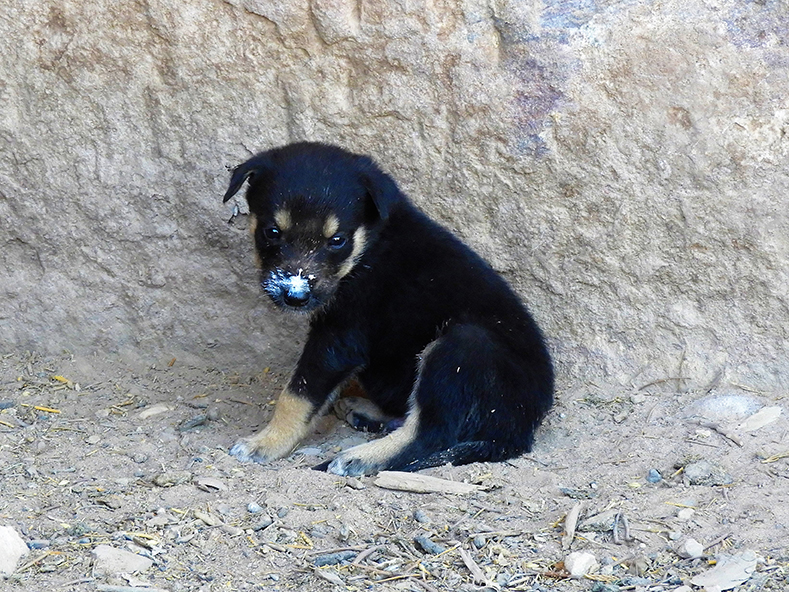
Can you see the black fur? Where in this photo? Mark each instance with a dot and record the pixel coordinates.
(419, 319)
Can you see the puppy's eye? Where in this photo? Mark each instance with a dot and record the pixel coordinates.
(338, 241)
(272, 233)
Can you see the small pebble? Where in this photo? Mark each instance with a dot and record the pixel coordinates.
(654, 476)
(479, 541)
(94, 439)
(254, 508)
(282, 512)
(265, 522)
(685, 514)
(334, 558)
(345, 533)
(428, 546)
(354, 483)
(38, 544)
(193, 423)
(140, 458)
(421, 517)
(210, 484)
(6, 404)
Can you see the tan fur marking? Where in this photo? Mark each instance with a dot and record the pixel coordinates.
(290, 423)
(253, 226)
(283, 219)
(253, 223)
(378, 452)
(359, 246)
(330, 226)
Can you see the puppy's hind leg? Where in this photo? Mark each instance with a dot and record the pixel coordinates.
(467, 405)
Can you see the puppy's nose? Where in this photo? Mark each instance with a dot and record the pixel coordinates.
(296, 298)
(296, 290)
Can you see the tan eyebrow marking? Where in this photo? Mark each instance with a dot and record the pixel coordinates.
(283, 219)
(359, 245)
(330, 226)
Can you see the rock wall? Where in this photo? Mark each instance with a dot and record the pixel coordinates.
(623, 163)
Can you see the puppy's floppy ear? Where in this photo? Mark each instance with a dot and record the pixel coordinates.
(381, 188)
(254, 167)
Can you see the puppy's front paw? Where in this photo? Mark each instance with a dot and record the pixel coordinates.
(289, 425)
(247, 450)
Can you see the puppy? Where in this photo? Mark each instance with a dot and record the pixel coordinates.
(398, 304)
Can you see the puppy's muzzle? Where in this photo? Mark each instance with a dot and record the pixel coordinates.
(294, 290)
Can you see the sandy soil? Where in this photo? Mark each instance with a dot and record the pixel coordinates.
(100, 452)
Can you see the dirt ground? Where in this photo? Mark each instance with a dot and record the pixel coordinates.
(102, 452)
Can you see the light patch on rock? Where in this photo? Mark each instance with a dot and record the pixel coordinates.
(108, 560)
(12, 549)
(760, 419)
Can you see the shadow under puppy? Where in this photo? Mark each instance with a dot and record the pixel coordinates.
(397, 303)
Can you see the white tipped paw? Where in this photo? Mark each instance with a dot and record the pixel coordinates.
(350, 467)
(246, 450)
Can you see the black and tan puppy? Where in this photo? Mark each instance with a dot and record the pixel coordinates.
(397, 303)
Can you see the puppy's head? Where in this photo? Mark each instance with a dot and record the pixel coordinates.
(316, 209)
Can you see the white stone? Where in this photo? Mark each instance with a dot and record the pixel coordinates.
(690, 549)
(110, 560)
(12, 549)
(760, 419)
(579, 563)
(157, 409)
(685, 514)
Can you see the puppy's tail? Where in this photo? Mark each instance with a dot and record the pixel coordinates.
(462, 453)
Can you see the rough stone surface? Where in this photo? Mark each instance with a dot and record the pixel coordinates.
(704, 472)
(111, 561)
(624, 164)
(12, 549)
